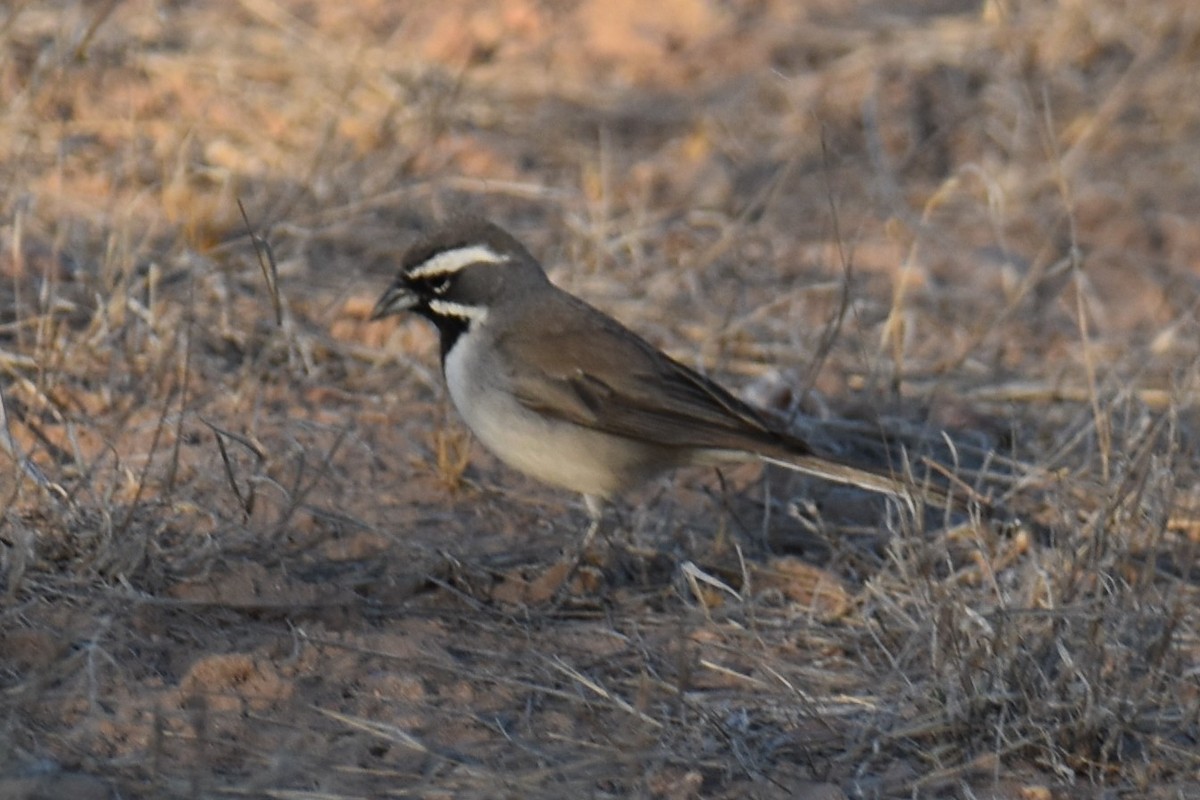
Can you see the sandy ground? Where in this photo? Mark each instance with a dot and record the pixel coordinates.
(244, 555)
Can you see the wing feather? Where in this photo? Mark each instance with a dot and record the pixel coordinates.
(629, 388)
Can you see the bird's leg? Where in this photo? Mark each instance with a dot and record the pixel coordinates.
(615, 546)
(573, 557)
(595, 509)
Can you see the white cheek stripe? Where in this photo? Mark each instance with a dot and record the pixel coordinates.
(451, 261)
(446, 308)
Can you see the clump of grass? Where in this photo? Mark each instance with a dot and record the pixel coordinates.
(1078, 658)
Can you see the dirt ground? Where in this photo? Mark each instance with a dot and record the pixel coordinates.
(248, 550)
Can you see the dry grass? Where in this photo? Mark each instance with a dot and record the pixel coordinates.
(242, 552)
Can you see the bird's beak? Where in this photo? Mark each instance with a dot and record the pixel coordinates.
(396, 299)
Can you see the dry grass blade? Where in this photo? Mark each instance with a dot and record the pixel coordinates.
(566, 669)
(266, 262)
(301, 794)
(12, 362)
(246, 502)
(102, 14)
(832, 327)
(732, 673)
(381, 730)
(1041, 393)
(23, 462)
(695, 576)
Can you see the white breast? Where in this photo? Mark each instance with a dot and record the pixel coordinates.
(552, 450)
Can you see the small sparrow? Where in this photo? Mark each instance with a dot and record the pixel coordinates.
(566, 394)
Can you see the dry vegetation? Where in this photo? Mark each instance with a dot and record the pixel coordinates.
(248, 558)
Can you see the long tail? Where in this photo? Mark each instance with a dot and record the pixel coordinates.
(908, 491)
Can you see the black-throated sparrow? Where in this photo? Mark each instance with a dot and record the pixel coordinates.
(563, 392)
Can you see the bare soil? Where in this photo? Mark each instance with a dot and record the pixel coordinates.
(248, 550)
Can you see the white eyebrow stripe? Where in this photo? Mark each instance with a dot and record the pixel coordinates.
(447, 308)
(451, 261)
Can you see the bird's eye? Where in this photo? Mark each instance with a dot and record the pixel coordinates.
(441, 287)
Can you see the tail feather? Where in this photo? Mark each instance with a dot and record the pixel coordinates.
(878, 482)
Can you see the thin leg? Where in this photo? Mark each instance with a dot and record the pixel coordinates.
(573, 557)
(595, 509)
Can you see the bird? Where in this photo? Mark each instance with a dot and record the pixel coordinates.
(563, 392)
